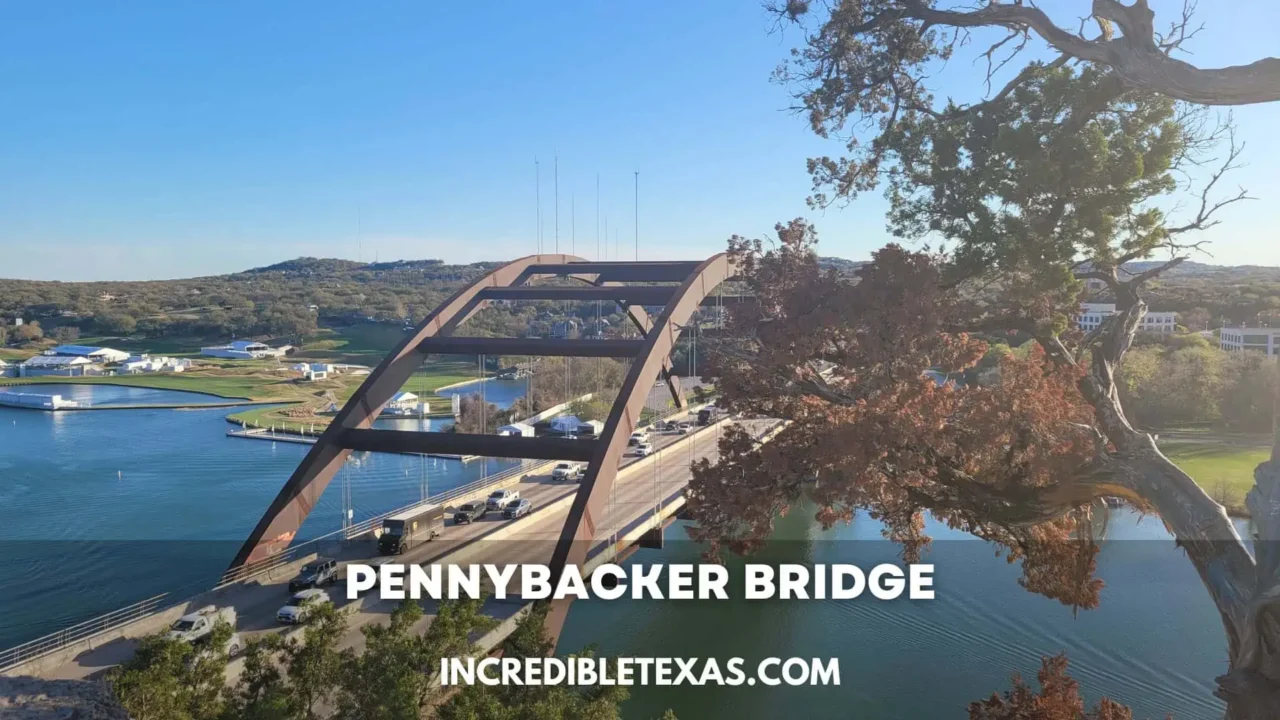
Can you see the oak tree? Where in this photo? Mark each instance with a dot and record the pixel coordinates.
(1061, 179)
(1058, 699)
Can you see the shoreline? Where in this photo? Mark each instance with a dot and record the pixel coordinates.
(94, 380)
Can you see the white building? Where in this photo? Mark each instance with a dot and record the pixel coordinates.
(242, 350)
(406, 403)
(63, 365)
(7, 369)
(151, 364)
(1264, 340)
(98, 354)
(314, 371)
(36, 401)
(1093, 314)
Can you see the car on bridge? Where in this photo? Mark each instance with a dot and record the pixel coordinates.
(469, 513)
(644, 449)
(684, 428)
(567, 471)
(301, 605)
(194, 626)
(637, 437)
(500, 499)
(321, 571)
(517, 509)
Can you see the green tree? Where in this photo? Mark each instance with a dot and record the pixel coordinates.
(1061, 179)
(393, 678)
(291, 678)
(169, 679)
(545, 702)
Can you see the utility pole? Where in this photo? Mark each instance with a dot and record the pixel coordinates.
(598, 217)
(637, 213)
(537, 170)
(557, 166)
(573, 225)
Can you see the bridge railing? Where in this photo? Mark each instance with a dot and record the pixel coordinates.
(331, 540)
(80, 631)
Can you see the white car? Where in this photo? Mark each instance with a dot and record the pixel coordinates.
(644, 448)
(637, 438)
(500, 499)
(566, 471)
(301, 605)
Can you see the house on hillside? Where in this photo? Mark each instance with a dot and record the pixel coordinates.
(8, 369)
(61, 365)
(101, 355)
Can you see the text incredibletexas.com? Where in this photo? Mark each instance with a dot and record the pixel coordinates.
(591, 671)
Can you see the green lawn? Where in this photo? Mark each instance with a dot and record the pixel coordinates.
(1226, 473)
(241, 387)
(425, 382)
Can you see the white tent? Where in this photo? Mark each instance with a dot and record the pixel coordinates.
(566, 424)
(519, 428)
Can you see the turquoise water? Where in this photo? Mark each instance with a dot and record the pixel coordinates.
(101, 509)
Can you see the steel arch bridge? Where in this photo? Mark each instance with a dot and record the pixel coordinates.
(680, 287)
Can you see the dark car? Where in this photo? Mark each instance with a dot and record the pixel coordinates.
(517, 509)
(469, 513)
(321, 571)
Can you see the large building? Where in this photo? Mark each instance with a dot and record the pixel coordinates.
(96, 354)
(242, 350)
(1093, 314)
(1263, 340)
(62, 365)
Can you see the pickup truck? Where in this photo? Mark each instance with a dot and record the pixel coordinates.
(321, 571)
(197, 626)
(567, 471)
(194, 626)
(500, 499)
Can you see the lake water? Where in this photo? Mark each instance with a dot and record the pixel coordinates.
(108, 395)
(99, 509)
(1155, 643)
(498, 391)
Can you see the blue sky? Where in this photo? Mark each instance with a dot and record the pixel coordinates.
(146, 140)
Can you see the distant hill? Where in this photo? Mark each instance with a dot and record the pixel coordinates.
(290, 298)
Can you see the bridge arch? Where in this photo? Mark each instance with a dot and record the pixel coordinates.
(352, 429)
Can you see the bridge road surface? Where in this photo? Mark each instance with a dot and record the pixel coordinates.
(634, 496)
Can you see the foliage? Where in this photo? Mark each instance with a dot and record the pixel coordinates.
(391, 680)
(1063, 178)
(1058, 699)
(1165, 386)
(169, 679)
(27, 332)
(544, 702)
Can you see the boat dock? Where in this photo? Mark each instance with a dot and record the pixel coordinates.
(265, 434)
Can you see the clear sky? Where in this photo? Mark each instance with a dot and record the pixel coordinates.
(143, 140)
